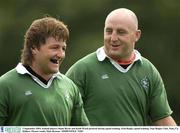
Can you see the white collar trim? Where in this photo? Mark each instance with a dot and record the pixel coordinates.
(22, 70)
(101, 55)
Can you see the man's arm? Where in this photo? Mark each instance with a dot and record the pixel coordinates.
(167, 121)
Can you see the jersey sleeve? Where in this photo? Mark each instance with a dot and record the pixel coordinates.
(159, 106)
(3, 104)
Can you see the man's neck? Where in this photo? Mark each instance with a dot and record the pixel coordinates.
(127, 62)
(35, 74)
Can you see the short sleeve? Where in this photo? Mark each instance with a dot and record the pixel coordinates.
(159, 106)
(3, 104)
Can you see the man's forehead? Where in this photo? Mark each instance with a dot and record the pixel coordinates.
(123, 17)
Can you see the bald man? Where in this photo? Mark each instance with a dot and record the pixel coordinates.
(120, 87)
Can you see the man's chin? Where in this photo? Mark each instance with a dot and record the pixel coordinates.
(54, 71)
(115, 55)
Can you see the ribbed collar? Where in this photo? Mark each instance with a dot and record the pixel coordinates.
(101, 55)
(22, 70)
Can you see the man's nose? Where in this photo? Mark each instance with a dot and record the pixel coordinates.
(61, 53)
(114, 36)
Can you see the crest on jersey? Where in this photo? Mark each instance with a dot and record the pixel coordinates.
(145, 83)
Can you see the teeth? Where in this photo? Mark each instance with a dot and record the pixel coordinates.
(115, 45)
(54, 61)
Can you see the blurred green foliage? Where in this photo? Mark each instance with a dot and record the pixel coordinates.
(158, 20)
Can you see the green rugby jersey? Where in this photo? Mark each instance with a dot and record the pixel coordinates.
(113, 98)
(23, 102)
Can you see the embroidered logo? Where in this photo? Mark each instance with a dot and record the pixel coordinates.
(145, 83)
(105, 76)
(27, 93)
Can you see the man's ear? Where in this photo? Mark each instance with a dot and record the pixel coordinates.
(33, 50)
(138, 35)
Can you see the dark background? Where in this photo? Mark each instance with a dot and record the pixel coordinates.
(158, 20)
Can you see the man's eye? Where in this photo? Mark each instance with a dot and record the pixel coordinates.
(54, 47)
(64, 48)
(121, 32)
(108, 31)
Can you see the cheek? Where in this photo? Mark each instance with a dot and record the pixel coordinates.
(133, 38)
(107, 37)
(106, 41)
(106, 45)
(63, 55)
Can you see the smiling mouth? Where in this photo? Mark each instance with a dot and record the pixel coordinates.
(55, 61)
(115, 45)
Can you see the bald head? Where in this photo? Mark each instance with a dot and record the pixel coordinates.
(123, 14)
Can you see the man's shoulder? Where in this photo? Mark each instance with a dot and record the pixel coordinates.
(82, 65)
(67, 82)
(65, 79)
(146, 62)
(88, 59)
(8, 75)
(148, 66)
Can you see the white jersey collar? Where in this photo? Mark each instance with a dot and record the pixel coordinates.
(22, 70)
(101, 55)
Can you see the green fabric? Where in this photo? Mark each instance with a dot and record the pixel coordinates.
(23, 102)
(113, 98)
